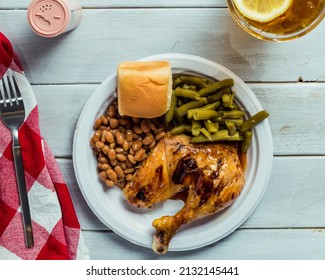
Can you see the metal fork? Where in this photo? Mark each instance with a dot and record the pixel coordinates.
(12, 111)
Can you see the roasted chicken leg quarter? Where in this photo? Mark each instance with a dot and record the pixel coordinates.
(212, 174)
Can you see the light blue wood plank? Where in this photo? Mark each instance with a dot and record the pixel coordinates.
(23, 4)
(273, 244)
(108, 36)
(296, 115)
(294, 197)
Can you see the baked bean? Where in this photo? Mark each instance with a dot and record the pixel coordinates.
(113, 123)
(160, 135)
(119, 137)
(102, 137)
(112, 175)
(92, 142)
(128, 163)
(103, 175)
(138, 156)
(112, 154)
(125, 145)
(129, 170)
(109, 183)
(152, 144)
(98, 123)
(119, 150)
(104, 119)
(120, 143)
(128, 177)
(136, 120)
(145, 126)
(124, 122)
(97, 135)
(148, 139)
(136, 145)
(131, 159)
(109, 136)
(152, 126)
(111, 111)
(106, 149)
(122, 129)
(129, 135)
(103, 159)
(137, 129)
(119, 171)
(121, 157)
(135, 136)
(99, 145)
(105, 166)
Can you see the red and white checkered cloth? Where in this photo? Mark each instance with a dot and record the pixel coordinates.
(56, 228)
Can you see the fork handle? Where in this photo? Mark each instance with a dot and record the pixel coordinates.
(22, 190)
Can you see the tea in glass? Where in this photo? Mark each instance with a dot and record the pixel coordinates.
(299, 18)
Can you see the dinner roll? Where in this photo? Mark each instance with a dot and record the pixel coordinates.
(144, 88)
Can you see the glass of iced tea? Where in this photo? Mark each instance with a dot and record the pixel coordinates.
(277, 20)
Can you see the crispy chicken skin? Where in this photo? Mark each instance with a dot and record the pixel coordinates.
(212, 174)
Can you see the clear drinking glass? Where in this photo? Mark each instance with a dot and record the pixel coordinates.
(302, 17)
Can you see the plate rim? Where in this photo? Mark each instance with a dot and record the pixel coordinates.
(267, 153)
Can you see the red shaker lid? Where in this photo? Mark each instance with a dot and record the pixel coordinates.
(48, 18)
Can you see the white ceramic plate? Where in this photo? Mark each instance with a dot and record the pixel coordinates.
(134, 224)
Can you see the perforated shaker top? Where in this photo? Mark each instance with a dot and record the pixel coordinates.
(48, 18)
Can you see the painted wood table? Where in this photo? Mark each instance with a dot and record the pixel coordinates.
(287, 78)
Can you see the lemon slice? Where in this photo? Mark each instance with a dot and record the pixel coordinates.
(262, 10)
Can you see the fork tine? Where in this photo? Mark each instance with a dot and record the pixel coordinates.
(5, 93)
(1, 93)
(17, 91)
(11, 92)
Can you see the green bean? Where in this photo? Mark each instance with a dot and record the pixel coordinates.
(196, 81)
(205, 114)
(254, 120)
(211, 106)
(218, 95)
(212, 115)
(206, 133)
(195, 129)
(179, 119)
(237, 122)
(182, 110)
(221, 135)
(181, 129)
(188, 93)
(217, 136)
(217, 86)
(191, 87)
(228, 100)
(211, 126)
(231, 127)
(233, 114)
(176, 82)
(247, 139)
(171, 111)
(235, 137)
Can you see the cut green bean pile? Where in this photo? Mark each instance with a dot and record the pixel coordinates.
(206, 110)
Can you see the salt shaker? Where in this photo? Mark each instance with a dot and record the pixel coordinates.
(50, 18)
